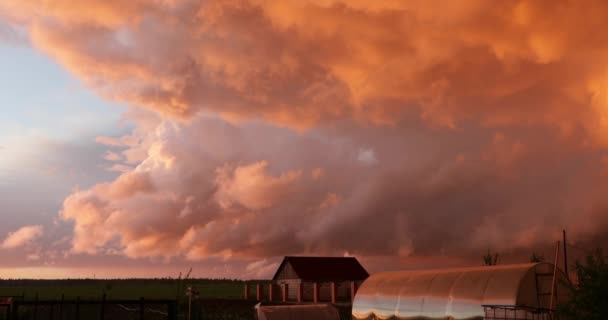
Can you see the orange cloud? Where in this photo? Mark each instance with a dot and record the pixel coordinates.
(429, 122)
(306, 63)
(22, 236)
(209, 189)
(251, 187)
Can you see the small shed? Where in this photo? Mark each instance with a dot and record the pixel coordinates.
(301, 273)
(520, 291)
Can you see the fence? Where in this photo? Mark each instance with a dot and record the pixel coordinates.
(5, 306)
(499, 312)
(142, 309)
(303, 292)
(5, 311)
(222, 309)
(148, 309)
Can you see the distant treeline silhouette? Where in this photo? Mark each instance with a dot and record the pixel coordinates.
(124, 281)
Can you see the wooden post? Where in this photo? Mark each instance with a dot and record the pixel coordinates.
(171, 311)
(300, 292)
(246, 291)
(270, 291)
(103, 307)
(61, 307)
(78, 308)
(285, 291)
(141, 308)
(353, 290)
(333, 292)
(15, 310)
(258, 292)
(315, 292)
(36, 307)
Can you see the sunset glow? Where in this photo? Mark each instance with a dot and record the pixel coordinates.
(141, 137)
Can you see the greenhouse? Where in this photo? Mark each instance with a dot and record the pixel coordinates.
(522, 291)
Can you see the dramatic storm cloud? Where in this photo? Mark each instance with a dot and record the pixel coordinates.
(300, 63)
(383, 128)
(208, 188)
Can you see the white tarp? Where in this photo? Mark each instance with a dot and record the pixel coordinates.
(298, 312)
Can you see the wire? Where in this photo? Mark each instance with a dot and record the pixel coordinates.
(125, 308)
(148, 309)
(158, 311)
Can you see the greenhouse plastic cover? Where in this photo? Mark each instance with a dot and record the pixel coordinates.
(454, 293)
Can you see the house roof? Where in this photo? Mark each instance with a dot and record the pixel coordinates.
(324, 268)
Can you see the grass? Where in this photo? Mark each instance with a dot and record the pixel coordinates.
(121, 289)
(220, 299)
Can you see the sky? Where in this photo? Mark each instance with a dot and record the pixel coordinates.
(139, 138)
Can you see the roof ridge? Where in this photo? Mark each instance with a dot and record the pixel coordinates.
(322, 257)
(324, 267)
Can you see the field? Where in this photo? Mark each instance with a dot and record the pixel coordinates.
(225, 294)
(121, 289)
(217, 300)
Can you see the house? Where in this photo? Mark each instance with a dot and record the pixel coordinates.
(299, 277)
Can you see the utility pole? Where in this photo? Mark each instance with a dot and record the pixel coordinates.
(555, 261)
(565, 256)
